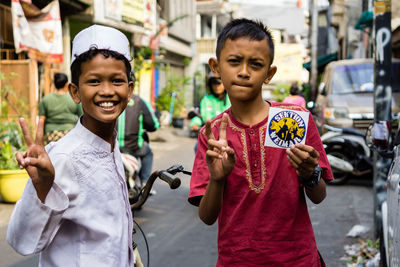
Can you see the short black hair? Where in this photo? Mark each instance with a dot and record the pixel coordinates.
(294, 89)
(60, 79)
(91, 53)
(210, 82)
(253, 29)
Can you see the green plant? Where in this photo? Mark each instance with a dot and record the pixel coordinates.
(11, 139)
(175, 84)
(281, 91)
(143, 57)
(11, 142)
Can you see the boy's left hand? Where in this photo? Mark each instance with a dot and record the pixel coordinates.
(303, 158)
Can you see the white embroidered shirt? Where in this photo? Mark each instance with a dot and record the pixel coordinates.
(86, 218)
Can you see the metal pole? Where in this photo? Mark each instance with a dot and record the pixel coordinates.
(314, 49)
(382, 98)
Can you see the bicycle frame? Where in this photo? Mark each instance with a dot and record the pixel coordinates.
(168, 177)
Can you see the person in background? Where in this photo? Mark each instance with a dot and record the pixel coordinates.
(58, 110)
(133, 124)
(211, 104)
(294, 96)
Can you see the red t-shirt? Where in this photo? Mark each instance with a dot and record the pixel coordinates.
(264, 219)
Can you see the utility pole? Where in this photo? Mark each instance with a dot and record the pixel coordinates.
(314, 48)
(382, 98)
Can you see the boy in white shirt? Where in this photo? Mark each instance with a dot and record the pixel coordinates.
(77, 213)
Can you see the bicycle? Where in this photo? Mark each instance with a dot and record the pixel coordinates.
(143, 194)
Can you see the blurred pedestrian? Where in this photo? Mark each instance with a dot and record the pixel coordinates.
(58, 110)
(211, 105)
(295, 97)
(133, 124)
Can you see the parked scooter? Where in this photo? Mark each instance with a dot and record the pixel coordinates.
(347, 152)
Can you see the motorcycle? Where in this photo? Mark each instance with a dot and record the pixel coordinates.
(194, 113)
(132, 167)
(192, 133)
(348, 152)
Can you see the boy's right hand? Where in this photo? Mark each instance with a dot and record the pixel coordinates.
(36, 160)
(220, 157)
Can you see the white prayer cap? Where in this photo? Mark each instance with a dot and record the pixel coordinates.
(100, 37)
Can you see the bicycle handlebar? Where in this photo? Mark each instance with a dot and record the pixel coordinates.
(169, 179)
(165, 175)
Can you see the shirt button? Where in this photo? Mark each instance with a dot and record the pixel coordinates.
(255, 147)
(251, 131)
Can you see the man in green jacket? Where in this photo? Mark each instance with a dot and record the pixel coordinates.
(133, 124)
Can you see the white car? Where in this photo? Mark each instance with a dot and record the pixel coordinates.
(390, 247)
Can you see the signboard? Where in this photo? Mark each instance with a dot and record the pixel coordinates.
(139, 12)
(113, 9)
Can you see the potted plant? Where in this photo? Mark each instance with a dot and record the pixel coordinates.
(172, 97)
(12, 179)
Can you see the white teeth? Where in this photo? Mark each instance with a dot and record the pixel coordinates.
(106, 104)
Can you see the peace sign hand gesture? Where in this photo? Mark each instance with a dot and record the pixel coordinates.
(220, 157)
(36, 161)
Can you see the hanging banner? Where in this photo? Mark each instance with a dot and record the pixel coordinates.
(37, 31)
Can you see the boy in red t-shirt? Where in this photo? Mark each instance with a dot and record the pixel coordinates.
(255, 189)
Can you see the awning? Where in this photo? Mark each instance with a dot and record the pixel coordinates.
(365, 21)
(322, 62)
(67, 7)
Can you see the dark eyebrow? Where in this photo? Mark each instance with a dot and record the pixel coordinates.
(257, 59)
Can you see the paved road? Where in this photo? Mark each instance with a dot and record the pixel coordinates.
(176, 236)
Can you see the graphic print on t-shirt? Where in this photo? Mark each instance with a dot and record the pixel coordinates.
(286, 127)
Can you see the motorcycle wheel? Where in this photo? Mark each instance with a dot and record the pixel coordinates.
(340, 177)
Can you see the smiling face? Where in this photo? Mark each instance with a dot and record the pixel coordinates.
(104, 92)
(243, 65)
